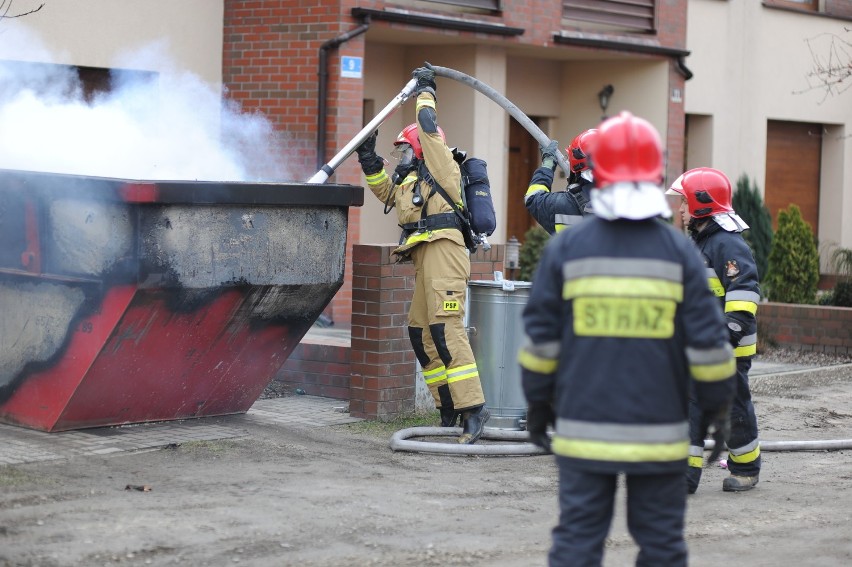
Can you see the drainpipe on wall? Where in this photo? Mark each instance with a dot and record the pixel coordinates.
(322, 93)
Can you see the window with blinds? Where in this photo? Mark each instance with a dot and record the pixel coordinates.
(491, 5)
(634, 15)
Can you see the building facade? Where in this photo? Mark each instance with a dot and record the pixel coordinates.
(724, 81)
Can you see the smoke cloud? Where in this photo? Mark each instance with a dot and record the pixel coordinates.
(164, 125)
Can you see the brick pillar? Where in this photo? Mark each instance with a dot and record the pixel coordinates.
(383, 364)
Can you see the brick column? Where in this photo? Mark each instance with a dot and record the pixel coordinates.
(383, 365)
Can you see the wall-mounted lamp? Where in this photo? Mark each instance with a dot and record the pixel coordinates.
(513, 248)
(603, 99)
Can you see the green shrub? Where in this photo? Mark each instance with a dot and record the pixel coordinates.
(534, 240)
(842, 294)
(749, 205)
(841, 262)
(793, 261)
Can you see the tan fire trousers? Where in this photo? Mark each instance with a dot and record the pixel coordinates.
(442, 269)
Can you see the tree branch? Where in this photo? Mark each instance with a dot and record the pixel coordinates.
(6, 7)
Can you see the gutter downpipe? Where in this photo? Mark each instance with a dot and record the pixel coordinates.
(322, 91)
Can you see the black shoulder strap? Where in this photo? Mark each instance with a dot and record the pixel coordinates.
(466, 231)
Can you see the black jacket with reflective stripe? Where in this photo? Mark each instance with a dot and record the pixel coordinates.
(552, 208)
(728, 256)
(628, 305)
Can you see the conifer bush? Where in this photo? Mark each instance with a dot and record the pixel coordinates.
(793, 260)
(841, 261)
(534, 240)
(749, 204)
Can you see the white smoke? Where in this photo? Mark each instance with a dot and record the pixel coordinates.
(168, 125)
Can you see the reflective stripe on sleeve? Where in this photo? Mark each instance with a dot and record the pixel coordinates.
(741, 301)
(376, 178)
(533, 189)
(425, 102)
(747, 346)
(564, 221)
(714, 283)
(542, 358)
(711, 364)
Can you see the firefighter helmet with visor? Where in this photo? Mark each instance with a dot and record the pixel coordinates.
(579, 150)
(707, 192)
(409, 136)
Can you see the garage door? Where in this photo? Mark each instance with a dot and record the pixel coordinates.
(793, 151)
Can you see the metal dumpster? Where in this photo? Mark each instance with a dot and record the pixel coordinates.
(129, 301)
(496, 331)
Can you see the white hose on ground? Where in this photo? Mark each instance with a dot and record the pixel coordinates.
(507, 105)
(401, 441)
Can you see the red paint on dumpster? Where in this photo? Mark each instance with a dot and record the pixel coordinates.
(154, 363)
(54, 386)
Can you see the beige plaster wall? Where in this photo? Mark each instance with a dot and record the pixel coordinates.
(93, 32)
(751, 64)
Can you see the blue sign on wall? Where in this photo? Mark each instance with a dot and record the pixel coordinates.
(351, 67)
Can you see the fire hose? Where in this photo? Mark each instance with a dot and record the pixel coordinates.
(516, 441)
(327, 170)
(400, 441)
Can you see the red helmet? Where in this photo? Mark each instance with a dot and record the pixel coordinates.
(628, 149)
(707, 192)
(578, 152)
(409, 136)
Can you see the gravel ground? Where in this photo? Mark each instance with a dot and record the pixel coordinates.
(809, 358)
(339, 496)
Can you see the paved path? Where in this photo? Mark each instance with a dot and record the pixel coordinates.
(22, 445)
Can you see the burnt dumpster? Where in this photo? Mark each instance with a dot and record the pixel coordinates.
(127, 301)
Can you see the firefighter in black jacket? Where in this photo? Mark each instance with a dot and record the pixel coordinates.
(433, 241)
(558, 210)
(732, 274)
(618, 324)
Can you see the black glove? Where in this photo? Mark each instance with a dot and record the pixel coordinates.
(717, 423)
(370, 162)
(549, 154)
(539, 416)
(736, 331)
(425, 80)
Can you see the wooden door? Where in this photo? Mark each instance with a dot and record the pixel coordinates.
(793, 151)
(524, 158)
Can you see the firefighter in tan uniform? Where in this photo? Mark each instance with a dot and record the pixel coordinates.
(432, 240)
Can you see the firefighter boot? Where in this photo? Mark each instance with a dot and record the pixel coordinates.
(736, 483)
(449, 415)
(693, 477)
(473, 423)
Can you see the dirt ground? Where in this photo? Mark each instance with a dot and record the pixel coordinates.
(338, 496)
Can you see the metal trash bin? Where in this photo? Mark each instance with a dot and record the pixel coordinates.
(496, 331)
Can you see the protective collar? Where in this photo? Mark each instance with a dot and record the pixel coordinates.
(730, 222)
(631, 201)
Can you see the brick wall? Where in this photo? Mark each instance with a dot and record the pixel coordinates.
(377, 372)
(271, 64)
(806, 327)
